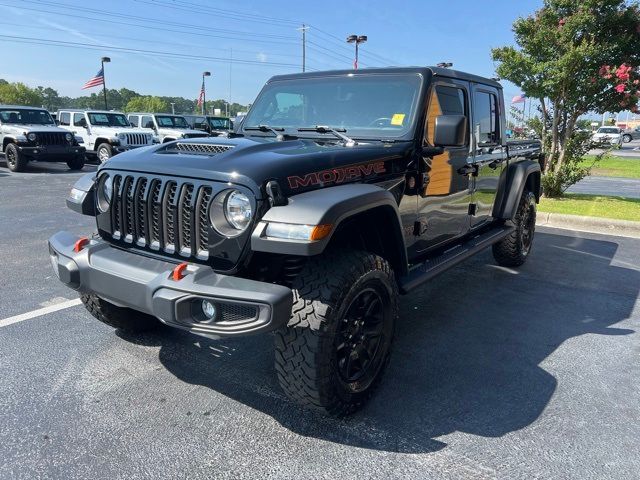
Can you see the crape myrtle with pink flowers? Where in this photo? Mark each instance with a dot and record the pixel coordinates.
(575, 57)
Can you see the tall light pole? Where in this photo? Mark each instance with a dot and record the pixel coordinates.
(304, 29)
(173, 108)
(357, 39)
(204, 95)
(104, 60)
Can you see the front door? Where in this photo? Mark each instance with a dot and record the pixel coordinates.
(443, 202)
(488, 152)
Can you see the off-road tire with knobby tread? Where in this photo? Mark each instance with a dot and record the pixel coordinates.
(15, 160)
(305, 352)
(513, 250)
(76, 163)
(125, 319)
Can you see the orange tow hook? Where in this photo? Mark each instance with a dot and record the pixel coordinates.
(178, 272)
(80, 244)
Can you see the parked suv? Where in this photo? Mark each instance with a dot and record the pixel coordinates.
(105, 133)
(30, 134)
(210, 124)
(631, 134)
(166, 126)
(607, 136)
(341, 191)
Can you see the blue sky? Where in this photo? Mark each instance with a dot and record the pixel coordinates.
(184, 32)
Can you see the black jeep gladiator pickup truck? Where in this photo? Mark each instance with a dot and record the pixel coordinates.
(341, 191)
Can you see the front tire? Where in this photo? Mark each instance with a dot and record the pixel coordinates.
(76, 163)
(333, 352)
(104, 152)
(125, 319)
(513, 250)
(15, 160)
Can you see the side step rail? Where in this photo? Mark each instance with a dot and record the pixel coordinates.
(449, 258)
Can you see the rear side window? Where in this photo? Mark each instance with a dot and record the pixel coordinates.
(65, 118)
(485, 118)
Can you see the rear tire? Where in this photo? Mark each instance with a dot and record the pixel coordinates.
(332, 354)
(626, 138)
(514, 249)
(15, 160)
(125, 319)
(76, 163)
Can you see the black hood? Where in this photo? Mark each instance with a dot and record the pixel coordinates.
(251, 161)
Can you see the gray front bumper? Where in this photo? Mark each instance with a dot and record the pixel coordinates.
(146, 284)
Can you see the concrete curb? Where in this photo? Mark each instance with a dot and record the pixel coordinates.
(623, 228)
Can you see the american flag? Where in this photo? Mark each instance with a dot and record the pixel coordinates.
(201, 97)
(519, 98)
(95, 81)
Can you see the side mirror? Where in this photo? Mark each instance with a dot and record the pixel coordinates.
(450, 131)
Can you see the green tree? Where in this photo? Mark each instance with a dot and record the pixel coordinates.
(19, 94)
(563, 50)
(147, 104)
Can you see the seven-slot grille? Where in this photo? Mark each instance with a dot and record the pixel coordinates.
(51, 138)
(161, 214)
(137, 139)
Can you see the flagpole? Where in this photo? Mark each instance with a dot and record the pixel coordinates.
(104, 60)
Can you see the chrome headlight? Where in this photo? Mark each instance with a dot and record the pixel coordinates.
(32, 137)
(230, 213)
(105, 192)
(69, 137)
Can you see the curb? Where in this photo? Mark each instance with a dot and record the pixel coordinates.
(622, 228)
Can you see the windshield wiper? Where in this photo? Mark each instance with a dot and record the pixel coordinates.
(348, 142)
(266, 128)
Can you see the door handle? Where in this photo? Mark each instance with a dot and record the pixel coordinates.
(468, 169)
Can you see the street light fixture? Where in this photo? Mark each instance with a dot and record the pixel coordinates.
(445, 65)
(204, 95)
(104, 60)
(357, 39)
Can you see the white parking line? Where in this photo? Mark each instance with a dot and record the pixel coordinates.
(39, 312)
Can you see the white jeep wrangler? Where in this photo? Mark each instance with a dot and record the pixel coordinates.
(105, 133)
(167, 127)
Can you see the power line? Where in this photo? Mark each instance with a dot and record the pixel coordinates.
(113, 22)
(159, 53)
(157, 42)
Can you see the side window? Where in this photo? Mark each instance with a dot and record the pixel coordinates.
(445, 100)
(78, 119)
(134, 119)
(147, 122)
(485, 119)
(65, 118)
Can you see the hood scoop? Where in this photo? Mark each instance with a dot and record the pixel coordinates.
(199, 148)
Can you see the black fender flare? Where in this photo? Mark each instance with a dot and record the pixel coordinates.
(511, 185)
(332, 206)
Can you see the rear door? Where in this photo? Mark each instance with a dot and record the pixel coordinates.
(488, 152)
(443, 203)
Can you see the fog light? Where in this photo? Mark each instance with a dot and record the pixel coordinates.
(209, 309)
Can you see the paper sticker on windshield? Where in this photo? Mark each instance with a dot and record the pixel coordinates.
(397, 119)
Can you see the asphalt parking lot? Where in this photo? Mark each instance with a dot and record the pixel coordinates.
(496, 373)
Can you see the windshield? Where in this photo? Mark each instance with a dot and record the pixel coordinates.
(374, 106)
(108, 119)
(169, 121)
(608, 130)
(24, 116)
(220, 123)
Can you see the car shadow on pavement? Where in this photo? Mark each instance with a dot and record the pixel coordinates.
(467, 352)
(55, 168)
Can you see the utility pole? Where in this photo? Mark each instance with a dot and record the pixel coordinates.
(104, 60)
(204, 94)
(304, 29)
(173, 108)
(357, 39)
